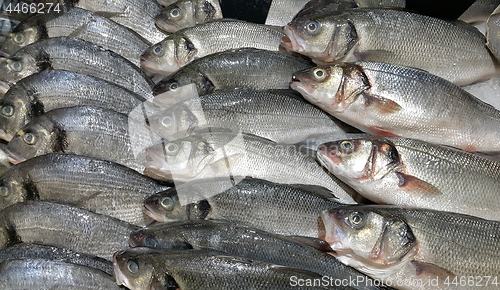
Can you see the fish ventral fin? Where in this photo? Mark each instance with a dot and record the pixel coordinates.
(416, 186)
(316, 243)
(381, 104)
(430, 270)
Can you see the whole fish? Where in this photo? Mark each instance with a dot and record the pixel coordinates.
(73, 55)
(96, 185)
(451, 50)
(287, 209)
(241, 68)
(188, 44)
(424, 246)
(141, 268)
(35, 251)
(493, 33)
(39, 93)
(225, 154)
(79, 23)
(49, 274)
(82, 130)
(63, 226)
(409, 172)
(395, 101)
(242, 241)
(479, 11)
(262, 113)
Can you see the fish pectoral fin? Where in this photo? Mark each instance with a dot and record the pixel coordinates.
(381, 104)
(379, 131)
(80, 29)
(316, 243)
(416, 185)
(318, 190)
(373, 55)
(427, 269)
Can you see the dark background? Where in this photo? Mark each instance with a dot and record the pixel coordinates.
(446, 9)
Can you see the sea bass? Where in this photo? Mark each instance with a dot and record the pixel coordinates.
(453, 51)
(426, 246)
(395, 101)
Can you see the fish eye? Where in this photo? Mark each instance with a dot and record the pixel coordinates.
(18, 38)
(167, 203)
(158, 50)
(16, 66)
(132, 267)
(175, 12)
(347, 145)
(7, 110)
(173, 86)
(167, 121)
(200, 145)
(312, 27)
(357, 219)
(319, 74)
(29, 138)
(171, 148)
(4, 191)
(151, 242)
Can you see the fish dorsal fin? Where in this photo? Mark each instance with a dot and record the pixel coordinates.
(316, 189)
(316, 243)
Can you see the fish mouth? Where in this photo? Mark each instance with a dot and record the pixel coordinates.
(134, 240)
(152, 214)
(5, 136)
(303, 87)
(155, 166)
(291, 42)
(13, 158)
(333, 233)
(165, 26)
(328, 156)
(120, 278)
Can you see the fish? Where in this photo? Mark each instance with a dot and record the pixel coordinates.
(408, 172)
(187, 13)
(285, 209)
(78, 23)
(35, 251)
(451, 50)
(427, 247)
(226, 154)
(100, 186)
(314, 142)
(493, 33)
(4, 159)
(245, 68)
(51, 274)
(81, 130)
(188, 44)
(7, 24)
(73, 55)
(141, 268)
(63, 226)
(479, 11)
(262, 113)
(394, 101)
(41, 92)
(237, 240)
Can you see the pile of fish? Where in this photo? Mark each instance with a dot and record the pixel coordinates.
(202, 144)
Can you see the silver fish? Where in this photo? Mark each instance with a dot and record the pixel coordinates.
(186, 13)
(479, 11)
(493, 33)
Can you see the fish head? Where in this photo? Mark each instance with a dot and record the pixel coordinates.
(167, 238)
(19, 38)
(132, 271)
(359, 160)
(169, 55)
(175, 122)
(18, 67)
(364, 235)
(176, 16)
(324, 39)
(332, 88)
(184, 77)
(14, 113)
(165, 206)
(38, 137)
(13, 189)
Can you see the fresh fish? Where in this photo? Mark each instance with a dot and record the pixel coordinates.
(479, 11)
(425, 246)
(191, 43)
(79, 23)
(487, 91)
(451, 50)
(394, 101)
(186, 13)
(73, 55)
(49, 274)
(261, 113)
(408, 172)
(141, 268)
(493, 33)
(89, 131)
(96, 185)
(39, 93)
(4, 159)
(7, 24)
(242, 68)
(314, 142)
(34, 251)
(287, 209)
(242, 241)
(63, 226)
(225, 154)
